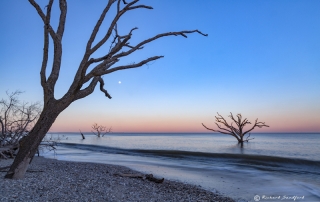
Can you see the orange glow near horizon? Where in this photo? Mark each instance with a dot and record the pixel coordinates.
(175, 126)
(74, 120)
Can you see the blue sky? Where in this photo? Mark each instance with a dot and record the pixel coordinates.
(261, 59)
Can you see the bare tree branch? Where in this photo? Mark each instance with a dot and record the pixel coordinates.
(102, 89)
(46, 45)
(219, 131)
(88, 90)
(132, 65)
(256, 124)
(247, 139)
(235, 132)
(96, 71)
(57, 38)
(139, 46)
(62, 20)
(96, 74)
(237, 122)
(96, 29)
(118, 43)
(113, 23)
(43, 16)
(80, 75)
(57, 41)
(225, 131)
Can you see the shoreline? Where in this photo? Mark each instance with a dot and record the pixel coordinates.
(56, 180)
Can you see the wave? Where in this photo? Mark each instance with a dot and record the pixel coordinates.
(241, 158)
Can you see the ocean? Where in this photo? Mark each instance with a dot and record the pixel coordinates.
(271, 167)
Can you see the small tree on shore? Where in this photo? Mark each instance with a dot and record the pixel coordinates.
(16, 120)
(89, 72)
(100, 130)
(238, 131)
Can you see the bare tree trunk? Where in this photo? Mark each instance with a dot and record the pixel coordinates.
(29, 144)
(90, 70)
(241, 140)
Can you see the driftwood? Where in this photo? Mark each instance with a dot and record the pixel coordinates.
(129, 175)
(153, 179)
(147, 177)
(8, 151)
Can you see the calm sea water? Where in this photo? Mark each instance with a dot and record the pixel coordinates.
(275, 167)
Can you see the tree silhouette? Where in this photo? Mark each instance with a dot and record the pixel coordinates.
(100, 130)
(238, 132)
(89, 73)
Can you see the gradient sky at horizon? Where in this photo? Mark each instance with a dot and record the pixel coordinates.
(261, 59)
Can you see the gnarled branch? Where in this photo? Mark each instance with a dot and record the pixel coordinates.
(102, 89)
(46, 45)
(116, 51)
(49, 84)
(235, 132)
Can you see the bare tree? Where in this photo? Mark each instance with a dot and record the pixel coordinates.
(238, 131)
(100, 130)
(16, 119)
(89, 73)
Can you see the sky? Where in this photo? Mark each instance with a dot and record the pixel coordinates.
(260, 59)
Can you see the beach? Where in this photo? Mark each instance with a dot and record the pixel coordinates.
(196, 167)
(270, 165)
(55, 180)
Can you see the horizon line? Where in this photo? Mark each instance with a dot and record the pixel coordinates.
(186, 132)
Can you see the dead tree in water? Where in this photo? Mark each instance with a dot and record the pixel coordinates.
(238, 131)
(100, 130)
(82, 135)
(90, 70)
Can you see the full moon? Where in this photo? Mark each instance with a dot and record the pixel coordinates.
(119, 82)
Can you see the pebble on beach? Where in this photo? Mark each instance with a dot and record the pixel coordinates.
(53, 180)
